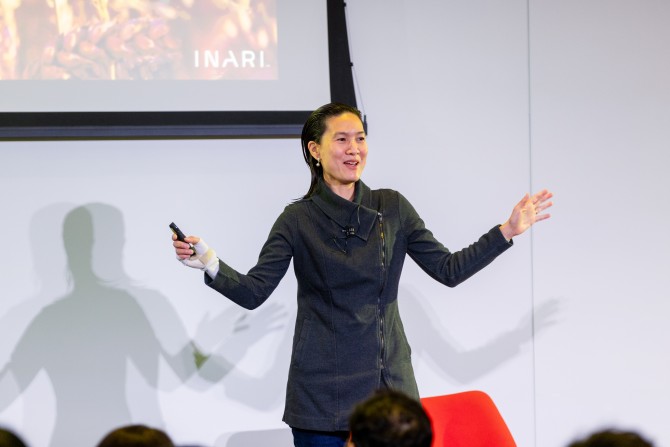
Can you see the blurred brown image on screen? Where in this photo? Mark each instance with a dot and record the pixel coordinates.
(138, 40)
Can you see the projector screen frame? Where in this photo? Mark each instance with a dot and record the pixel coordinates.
(190, 124)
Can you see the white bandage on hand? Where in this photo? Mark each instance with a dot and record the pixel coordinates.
(204, 258)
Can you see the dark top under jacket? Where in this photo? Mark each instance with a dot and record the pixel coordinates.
(348, 256)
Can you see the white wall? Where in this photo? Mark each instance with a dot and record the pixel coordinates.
(601, 132)
(565, 331)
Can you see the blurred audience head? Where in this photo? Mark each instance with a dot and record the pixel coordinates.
(10, 439)
(390, 419)
(613, 438)
(136, 436)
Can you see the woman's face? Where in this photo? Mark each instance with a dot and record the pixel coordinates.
(342, 151)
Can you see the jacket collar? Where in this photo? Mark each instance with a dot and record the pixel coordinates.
(347, 213)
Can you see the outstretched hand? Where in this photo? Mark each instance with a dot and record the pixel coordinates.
(526, 213)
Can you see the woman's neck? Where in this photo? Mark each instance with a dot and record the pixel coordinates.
(346, 191)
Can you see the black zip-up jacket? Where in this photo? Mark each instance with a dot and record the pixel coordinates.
(348, 256)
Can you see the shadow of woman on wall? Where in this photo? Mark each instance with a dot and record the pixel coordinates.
(85, 340)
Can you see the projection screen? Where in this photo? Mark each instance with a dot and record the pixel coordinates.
(123, 68)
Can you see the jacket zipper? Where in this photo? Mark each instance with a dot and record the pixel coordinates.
(381, 288)
(383, 249)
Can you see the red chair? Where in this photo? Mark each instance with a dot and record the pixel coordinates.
(468, 419)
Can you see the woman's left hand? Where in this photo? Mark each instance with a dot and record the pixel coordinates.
(526, 213)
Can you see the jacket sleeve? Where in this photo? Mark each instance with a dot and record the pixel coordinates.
(435, 259)
(251, 290)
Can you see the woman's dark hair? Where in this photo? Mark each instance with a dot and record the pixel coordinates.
(136, 436)
(313, 130)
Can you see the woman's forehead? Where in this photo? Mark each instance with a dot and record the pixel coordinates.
(346, 122)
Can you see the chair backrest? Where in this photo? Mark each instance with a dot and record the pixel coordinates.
(468, 419)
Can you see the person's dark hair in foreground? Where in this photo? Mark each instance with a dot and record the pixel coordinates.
(136, 436)
(10, 439)
(390, 419)
(613, 438)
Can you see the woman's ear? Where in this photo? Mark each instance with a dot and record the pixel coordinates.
(313, 149)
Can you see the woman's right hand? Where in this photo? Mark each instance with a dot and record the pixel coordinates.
(183, 249)
(195, 253)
